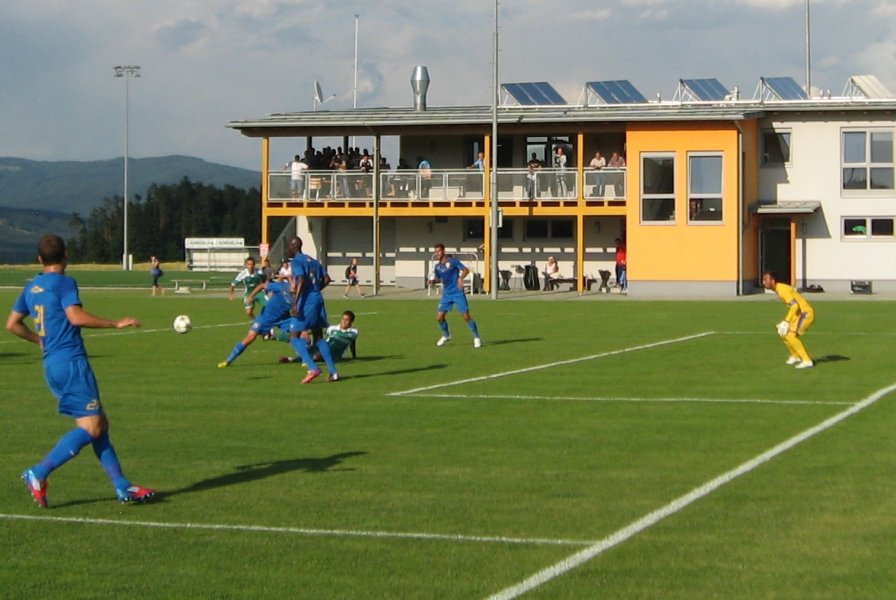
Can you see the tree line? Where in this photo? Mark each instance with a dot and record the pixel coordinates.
(158, 223)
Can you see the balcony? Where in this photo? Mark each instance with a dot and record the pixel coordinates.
(445, 188)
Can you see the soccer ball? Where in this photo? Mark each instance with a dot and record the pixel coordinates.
(183, 324)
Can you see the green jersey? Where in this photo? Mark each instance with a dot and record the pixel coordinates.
(340, 339)
(249, 280)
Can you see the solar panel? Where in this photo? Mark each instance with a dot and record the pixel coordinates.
(619, 91)
(706, 90)
(785, 88)
(868, 86)
(539, 93)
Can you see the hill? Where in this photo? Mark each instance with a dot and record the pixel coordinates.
(37, 197)
(77, 187)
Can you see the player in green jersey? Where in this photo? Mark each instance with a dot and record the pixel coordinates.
(249, 278)
(340, 338)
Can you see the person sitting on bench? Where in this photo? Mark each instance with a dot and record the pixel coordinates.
(551, 272)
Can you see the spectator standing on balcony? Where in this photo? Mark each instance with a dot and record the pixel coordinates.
(616, 160)
(560, 170)
(532, 176)
(297, 170)
(598, 163)
(425, 176)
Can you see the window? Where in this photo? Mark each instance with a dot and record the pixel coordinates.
(658, 188)
(704, 187)
(775, 148)
(868, 160)
(474, 229)
(550, 228)
(864, 228)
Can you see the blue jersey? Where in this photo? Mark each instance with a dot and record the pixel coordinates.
(45, 299)
(279, 302)
(449, 273)
(313, 274)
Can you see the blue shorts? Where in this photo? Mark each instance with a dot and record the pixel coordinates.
(314, 314)
(74, 385)
(455, 298)
(263, 325)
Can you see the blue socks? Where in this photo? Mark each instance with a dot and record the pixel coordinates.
(324, 348)
(104, 451)
(66, 449)
(443, 325)
(472, 325)
(237, 350)
(301, 347)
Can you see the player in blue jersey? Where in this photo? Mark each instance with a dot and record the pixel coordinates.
(274, 314)
(309, 278)
(51, 300)
(451, 272)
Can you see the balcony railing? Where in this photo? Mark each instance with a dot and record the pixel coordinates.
(448, 185)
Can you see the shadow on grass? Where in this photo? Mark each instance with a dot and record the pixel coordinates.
(830, 358)
(394, 372)
(247, 473)
(243, 474)
(510, 341)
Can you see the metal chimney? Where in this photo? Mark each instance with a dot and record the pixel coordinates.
(420, 85)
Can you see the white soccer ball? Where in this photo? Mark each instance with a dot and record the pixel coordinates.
(182, 324)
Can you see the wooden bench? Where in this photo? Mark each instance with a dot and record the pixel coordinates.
(554, 284)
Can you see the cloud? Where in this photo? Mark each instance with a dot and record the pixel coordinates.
(179, 34)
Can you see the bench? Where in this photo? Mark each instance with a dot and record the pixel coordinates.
(554, 284)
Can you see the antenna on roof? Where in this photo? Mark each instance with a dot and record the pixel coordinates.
(319, 96)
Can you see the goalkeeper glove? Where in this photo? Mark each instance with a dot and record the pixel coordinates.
(783, 328)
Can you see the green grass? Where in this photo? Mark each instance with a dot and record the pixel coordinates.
(574, 452)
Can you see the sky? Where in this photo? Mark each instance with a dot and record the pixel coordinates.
(207, 62)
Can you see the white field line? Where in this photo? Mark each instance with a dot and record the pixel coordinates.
(681, 502)
(619, 399)
(480, 539)
(553, 364)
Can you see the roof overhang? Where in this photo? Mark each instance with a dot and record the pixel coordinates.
(792, 207)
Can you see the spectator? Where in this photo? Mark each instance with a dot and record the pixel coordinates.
(560, 171)
(297, 170)
(425, 170)
(155, 270)
(621, 277)
(551, 271)
(532, 176)
(351, 275)
(598, 163)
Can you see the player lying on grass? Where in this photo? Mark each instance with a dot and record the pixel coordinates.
(339, 338)
(274, 314)
(52, 301)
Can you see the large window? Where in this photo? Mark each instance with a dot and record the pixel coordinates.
(863, 228)
(775, 148)
(474, 230)
(868, 159)
(550, 229)
(704, 187)
(658, 188)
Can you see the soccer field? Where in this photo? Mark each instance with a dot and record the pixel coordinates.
(589, 449)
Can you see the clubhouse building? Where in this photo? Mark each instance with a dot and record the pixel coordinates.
(714, 190)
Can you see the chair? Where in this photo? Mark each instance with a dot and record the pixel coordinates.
(516, 281)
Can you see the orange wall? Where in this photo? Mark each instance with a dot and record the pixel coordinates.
(680, 251)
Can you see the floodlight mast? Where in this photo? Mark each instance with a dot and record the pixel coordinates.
(126, 71)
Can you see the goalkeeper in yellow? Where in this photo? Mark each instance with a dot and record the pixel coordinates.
(800, 317)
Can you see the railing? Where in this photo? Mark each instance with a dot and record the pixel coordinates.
(447, 185)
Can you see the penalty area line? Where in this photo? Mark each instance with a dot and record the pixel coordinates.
(353, 533)
(632, 400)
(682, 502)
(554, 364)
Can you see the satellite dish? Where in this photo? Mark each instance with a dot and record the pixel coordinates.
(319, 96)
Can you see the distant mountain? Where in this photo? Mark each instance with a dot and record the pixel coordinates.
(38, 197)
(78, 187)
